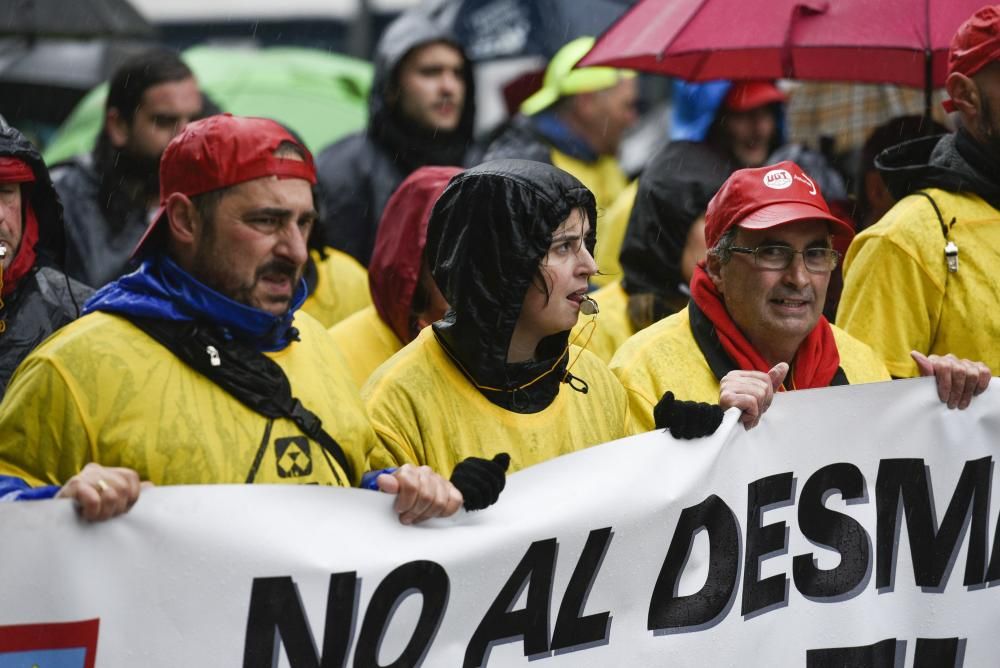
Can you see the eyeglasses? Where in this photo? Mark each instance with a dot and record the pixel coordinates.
(778, 258)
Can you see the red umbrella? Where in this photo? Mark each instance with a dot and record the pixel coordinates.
(879, 41)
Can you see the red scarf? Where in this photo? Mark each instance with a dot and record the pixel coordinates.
(13, 170)
(816, 361)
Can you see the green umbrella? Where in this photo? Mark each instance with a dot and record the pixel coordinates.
(322, 96)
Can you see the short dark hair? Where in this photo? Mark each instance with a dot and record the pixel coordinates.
(140, 73)
(723, 247)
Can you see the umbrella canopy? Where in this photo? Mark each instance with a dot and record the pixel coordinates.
(319, 95)
(42, 80)
(879, 41)
(493, 29)
(75, 18)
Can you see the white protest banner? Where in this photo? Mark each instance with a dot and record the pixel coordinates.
(853, 526)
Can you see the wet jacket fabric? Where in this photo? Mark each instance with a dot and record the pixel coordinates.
(544, 138)
(681, 354)
(612, 326)
(377, 333)
(674, 190)
(612, 226)
(399, 247)
(44, 299)
(366, 342)
(103, 224)
(338, 286)
(102, 390)
(359, 173)
(899, 294)
(425, 411)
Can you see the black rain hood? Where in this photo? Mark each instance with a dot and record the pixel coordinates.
(674, 190)
(487, 235)
(952, 162)
(412, 145)
(51, 246)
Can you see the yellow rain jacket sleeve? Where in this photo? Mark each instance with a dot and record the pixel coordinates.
(425, 411)
(611, 228)
(341, 287)
(100, 390)
(366, 342)
(899, 295)
(665, 356)
(611, 327)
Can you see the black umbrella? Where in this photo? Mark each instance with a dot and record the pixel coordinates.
(44, 79)
(72, 18)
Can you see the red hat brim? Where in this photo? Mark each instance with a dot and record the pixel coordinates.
(784, 213)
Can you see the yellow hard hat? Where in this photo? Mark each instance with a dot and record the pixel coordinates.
(561, 79)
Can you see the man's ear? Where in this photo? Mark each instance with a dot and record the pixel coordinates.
(713, 267)
(183, 221)
(117, 127)
(964, 94)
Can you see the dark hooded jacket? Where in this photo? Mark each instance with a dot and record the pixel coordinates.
(105, 215)
(397, 260)
(44, 299)
(359, 173)
(488, 233)
(952, 162)
(674, 189)
(532, 138)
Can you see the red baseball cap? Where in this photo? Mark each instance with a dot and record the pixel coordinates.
(222, 151)
(763, 197)
(747, 95)
(975, 45)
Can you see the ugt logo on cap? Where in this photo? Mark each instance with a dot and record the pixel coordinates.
(778, 179)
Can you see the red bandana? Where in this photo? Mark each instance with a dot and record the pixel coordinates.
(815, 363)
(13, 170)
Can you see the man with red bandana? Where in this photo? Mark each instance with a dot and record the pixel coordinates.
(755, 322)
(36, 297)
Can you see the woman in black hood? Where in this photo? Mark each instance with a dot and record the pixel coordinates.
(510, 245)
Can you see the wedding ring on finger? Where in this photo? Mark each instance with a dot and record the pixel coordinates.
(101, 486)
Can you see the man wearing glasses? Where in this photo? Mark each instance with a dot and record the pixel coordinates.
(754, 325)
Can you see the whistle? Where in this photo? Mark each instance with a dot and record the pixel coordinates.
(589, 307)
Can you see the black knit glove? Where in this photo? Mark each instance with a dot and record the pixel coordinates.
(687, 419)
(481, 480)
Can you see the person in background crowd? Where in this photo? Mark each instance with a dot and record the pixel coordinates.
(337, 284)
(404, 295)
(926, 277)
(754, 325)
(189, 370)
(871, 194)
(575, 122)
(109, 194)
(36, 297)
(716, 128)
(421, 111)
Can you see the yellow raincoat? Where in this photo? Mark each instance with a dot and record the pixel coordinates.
(665, 356)
(900, 296)
(100, 390)
(425, 411)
